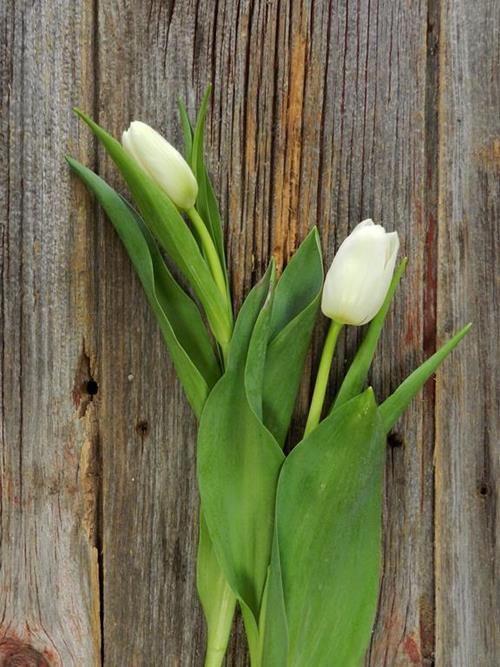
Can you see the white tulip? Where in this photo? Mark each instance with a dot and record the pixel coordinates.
(162, 162)
(361, 272)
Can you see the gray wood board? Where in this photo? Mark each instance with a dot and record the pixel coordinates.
(49, 580)
(467, 409)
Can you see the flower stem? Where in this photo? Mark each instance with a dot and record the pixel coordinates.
(325, 363)
(218, 636)
(209, 250)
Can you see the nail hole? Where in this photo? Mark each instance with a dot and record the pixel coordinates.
(91, 387)
(142, 428)
(484, 489)
(395, 439)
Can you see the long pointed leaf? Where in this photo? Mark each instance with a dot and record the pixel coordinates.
(179, 320)
(182, 313)
(206, 202)
(328, 522)
(167, 225)
(216, 597)
(195, 380)
(295, 308)
(187, 130)
(394, 406)
(273, 624)
(238, 466)
(257, 351)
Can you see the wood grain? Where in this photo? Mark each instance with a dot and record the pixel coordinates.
(322, 113)
(467, 415)
(150, 502)
(49, 603)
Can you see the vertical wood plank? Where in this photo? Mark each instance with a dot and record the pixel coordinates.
(151, 614)
(49, 602)
(374, 164)
(467, 421)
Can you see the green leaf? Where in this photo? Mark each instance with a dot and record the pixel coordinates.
(257, 350)
(295, 308)
(394, 406)
(187, 130)
(238, 466)
(206, 202)
(167, 225)
(328, 523)
(178, 316)
(358, 371)
(273, 626)
(216, 597)
(183, 314)
(189, 346)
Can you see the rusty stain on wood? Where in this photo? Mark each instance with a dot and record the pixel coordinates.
(16, 653)
(322, 113)
(488, 155)
(287, 184)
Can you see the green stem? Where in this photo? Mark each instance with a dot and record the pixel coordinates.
(209, 250)
(218, 636)
(213, 260)
(325, 363)
(225, 353)
(252, 634)
(219, 605)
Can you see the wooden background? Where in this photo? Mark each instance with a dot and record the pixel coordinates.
(324, 111)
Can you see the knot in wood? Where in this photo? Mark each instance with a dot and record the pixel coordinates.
(15, 653)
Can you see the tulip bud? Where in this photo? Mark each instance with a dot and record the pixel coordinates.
(162, 162)
(361, 272)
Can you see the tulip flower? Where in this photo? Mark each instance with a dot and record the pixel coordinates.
(167, 168)
(355, 288)
(360, 274)
(162, 162)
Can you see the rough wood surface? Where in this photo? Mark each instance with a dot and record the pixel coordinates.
(49, 581)
(323, 113)
(467, 410)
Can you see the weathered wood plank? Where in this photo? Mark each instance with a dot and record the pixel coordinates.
(374, 164)
(467, 416)
(49, 602)
(151, 613)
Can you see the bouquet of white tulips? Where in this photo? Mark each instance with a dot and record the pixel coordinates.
(293, 540)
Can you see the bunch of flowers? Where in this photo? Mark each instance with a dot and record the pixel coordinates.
(293, 540)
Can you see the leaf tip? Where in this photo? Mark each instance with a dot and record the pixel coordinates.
(462, 332)
(370, 398)
(367, 399)
(72, 163)
(271, 270)
(465, 330)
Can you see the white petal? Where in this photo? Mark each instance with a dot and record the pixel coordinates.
(359, 277)
(392, 247)
(352, 280)
(163, 163)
